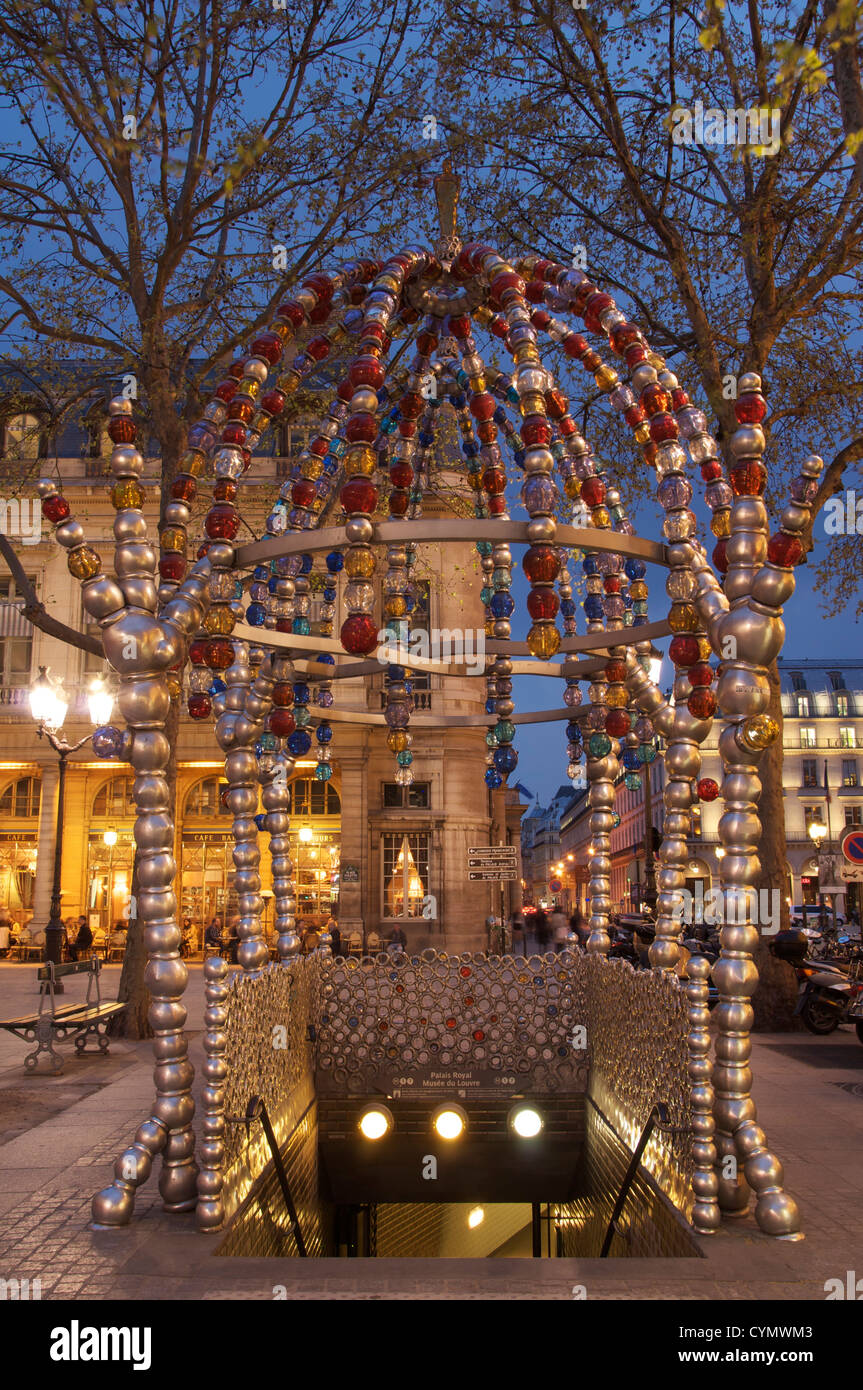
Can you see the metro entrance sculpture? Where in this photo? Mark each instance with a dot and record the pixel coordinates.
(270, 701)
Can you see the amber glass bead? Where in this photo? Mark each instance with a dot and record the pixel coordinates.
(702, 703)
(606, 378)
(184, 489)
(220, 620)
(720, 523)
(83, 562)
(360, 461)
(173, 538)
(122, 430)
(601, 517)
(572, 487)
(193, 462)
(543, 640)
(359, 563)
(127, 494)
(748, 479)
(682, 617)
(174, 686)
(397, 740)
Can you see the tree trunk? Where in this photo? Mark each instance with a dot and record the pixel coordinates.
(776, 994)
(133, 1023)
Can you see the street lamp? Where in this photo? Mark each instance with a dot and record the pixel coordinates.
(49, 705)
(817, 831)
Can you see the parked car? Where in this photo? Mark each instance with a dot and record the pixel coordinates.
(808, 915)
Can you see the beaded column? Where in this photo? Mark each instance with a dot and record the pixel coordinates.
(210, 1209)
(705, 1214)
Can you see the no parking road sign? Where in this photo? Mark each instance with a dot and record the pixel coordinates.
(851, 844)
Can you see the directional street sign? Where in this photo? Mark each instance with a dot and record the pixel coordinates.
(491, 875)
(494, 851)
(851, 844)
(852, 873)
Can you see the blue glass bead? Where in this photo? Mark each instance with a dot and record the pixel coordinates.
(505, 759)
(593, 607)
(404, 758)
(493, 779)
(458, 400)
(486, 594)
(261, 820)
(329, 595)
(395, 673)
(573, 733)
(335, 561)
(632, 780)
(636, 569)
(518, 455)
(301, 693)
(324, 733)
(323, 771)
(470, 448)
(325, 659)
(590, 564)
(426, 439)
(599, 745)
(272, 583)
(502, 605)
(217, 686)
(299, 742)
(255, 614)
(261, 574)
(484, 547)
(499, 416)
(307, 563)
(491, 706)
(567, 608)
(630, 759)
(301, 626)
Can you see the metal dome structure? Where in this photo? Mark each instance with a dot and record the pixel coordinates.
(268, 682)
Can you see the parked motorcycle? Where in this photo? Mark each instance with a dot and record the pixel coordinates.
(828, 995)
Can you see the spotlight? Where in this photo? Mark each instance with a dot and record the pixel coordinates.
(449, 1121)
(375, 1122)
(526, 1121)
(475, 1217)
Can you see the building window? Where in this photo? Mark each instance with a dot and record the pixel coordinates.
(849, 772)
(293, 439)
(803, 707)
(842, 706)
(16, 644)
(416, 795)
(847, 736)
(807, 736)
(854, 815)
(22, 437)
(810, 772)
(115, 800)
(812, 816)
(205, 799)
(695, 813)
(309, 797)
(21, 799)
(406, 874)
(797, 680)
(837, 680)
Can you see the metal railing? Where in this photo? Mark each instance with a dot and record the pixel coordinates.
(257, 1110)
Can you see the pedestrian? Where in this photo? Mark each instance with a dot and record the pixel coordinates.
(578, 926)
(233, 939)
(559, 930)
(541, 928)
(335, 938)
(398, 941)
(311, 939)
(5, 932)
(518, 932)
(83, 939)
(213, 934)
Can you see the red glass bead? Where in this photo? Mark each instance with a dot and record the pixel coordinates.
(479, 1035)
(268, 346)
(497, 504)
(494, 480)
(202, 550)
(458, 325)
(284, 625)
(582, 294)
(654, 399)
(282, 723)
(711, 471)
(720, 557)
(486, 431)
(482, 406)
(683, 650)
(319, 347)
(707, 789)
(452, 1023)
(319, 284)
(401, 475)
(283, 694)
(398, 502)
(361, 429)
(611, 584)
(702, 703)
(574, 345)
(750, 409)
(55, 509)
(273, 402)
(172, 567)
(679, 398)
(226, 390)
(506, 280)
(593, 492)
(222, 523)
(615, 671)
(407, 428)
(241, 409)
(662, 428)
(426, 342)
(303, 493)
(199, 705)
(534, 293)
(535, 430)
(320, 446)
(234, 434)
(541, 564)
(344, 390)
(748, 479)
(649, 453)
(566, 425)
(225, 490)
(596, 305)
(617, 723)
(700, 674)
(635, 354)
(498, 326)
(411, 405)
(785, 551)
(220, 653)
(540, 318)
(359, 634)
(237, 368)
(198, 651)
(591, 361)
(122, 429)
(542, 604)
(292, 312)
(359, 495)
(634, 416)
(623, 335)
(367, 370)
(184, 488)
(556, 404)
(247, 458)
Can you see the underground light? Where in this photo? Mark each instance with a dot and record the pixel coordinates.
(526, 1121)
(375, 1122)
(449, 1121)
(475, 1217)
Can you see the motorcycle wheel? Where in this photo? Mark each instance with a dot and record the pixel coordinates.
(818, 1018)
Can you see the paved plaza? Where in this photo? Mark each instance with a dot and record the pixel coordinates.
(61, 1135)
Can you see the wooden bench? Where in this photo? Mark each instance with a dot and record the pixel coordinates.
(70, 1020)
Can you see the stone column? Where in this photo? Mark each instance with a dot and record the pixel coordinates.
(45, 853)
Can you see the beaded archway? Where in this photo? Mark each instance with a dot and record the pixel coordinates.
(268, 682)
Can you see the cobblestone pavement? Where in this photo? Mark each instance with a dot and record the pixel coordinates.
(810, 1096)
